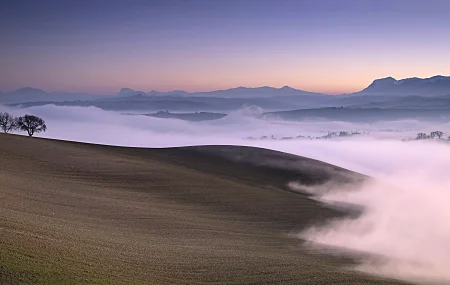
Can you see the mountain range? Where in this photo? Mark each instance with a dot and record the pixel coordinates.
(427, 87)
(29, 94)
(433, 92)
(433, 86)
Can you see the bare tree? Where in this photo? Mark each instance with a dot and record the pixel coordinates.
(421, 136)
(8, 123)
(31, 124)
(436, 134)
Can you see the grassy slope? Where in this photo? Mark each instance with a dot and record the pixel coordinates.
(76, 213)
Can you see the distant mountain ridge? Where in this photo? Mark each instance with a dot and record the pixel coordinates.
(257, 92)
(434, 86)
(387, 88)
(238, 92)
(428, 87)
(126, 92)
(29, 94)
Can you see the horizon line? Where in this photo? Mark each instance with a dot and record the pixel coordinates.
(174, 90)
(226, 89)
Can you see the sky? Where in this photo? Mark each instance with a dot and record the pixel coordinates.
(329, 46)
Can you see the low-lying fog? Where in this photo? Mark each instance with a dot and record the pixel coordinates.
(407, 212)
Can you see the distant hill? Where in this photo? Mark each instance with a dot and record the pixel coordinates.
(367, 115)
(239, 92)
(126, 92)
(24, 95)
(28, 94)
(403, 102)
(195, 117)
(427, 87)
(259, 92)
(175, 93)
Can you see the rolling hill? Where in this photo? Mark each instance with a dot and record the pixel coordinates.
(75, 213)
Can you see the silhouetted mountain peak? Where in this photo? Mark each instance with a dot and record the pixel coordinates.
(129, 92)
(287, 88)
(383, 82)
(434, 86)
(29, 90)
(126, 91)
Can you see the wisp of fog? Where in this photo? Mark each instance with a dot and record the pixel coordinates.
(405, 222)
(404, 225)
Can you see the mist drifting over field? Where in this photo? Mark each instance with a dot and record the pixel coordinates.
(406, 212)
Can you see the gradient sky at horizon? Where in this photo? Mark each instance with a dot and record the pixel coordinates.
(330, 46)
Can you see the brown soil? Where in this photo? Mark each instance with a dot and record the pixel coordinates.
(73, 213)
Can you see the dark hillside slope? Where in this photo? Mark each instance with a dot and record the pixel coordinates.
(73, 213)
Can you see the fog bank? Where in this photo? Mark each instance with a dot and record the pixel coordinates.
(407, 208)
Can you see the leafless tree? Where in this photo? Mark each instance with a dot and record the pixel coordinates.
(8, 123)
(436, 134)
(421, 136)
(31, 124)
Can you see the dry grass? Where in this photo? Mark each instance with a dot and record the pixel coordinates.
(74, 213)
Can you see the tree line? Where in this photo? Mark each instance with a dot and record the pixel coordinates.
(28, 123)
(432, 135)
